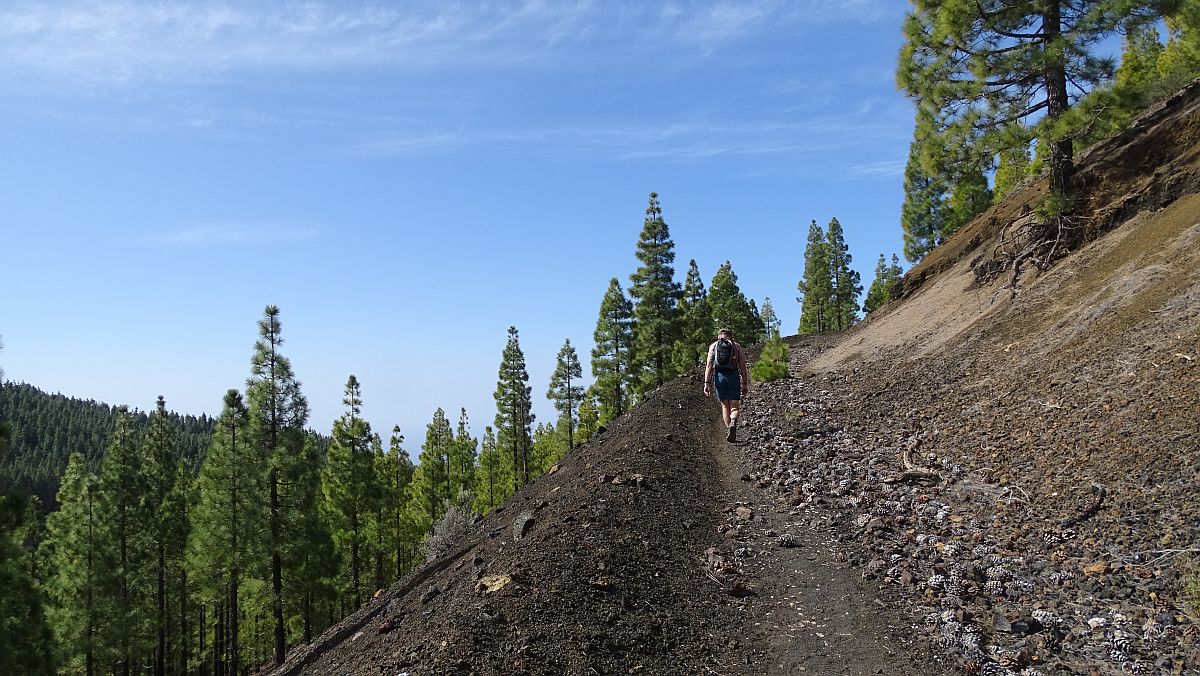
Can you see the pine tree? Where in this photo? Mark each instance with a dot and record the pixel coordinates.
(549, 446)
(731, 309)
(311, 561)
(1010, 171)
(816, 288)
(696, 322)
(127, 529)
(78, 570)
(491, 481)
(514, 415)
(980, 68)
(26, 643)
(398, 472)
(565, 389)
(923, 214)
(612, 360)
(770, 321)
(653, 286)
(846, 282)
(430, 488)
(462, 458)
(772, 363)
(160, 462)
(175, 515)
(1179, 62)
(348, 480)
(278, 412)
(589, 417)
(225, 548)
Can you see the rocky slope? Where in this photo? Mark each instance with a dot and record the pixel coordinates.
(971, 480)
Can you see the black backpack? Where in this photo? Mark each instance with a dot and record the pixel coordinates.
(723, 355)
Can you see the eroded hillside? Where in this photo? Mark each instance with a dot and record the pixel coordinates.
(1009, 481)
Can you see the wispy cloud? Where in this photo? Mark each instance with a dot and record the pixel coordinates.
(881, 169)
(122, 41)
(681, 140)
(227, 234)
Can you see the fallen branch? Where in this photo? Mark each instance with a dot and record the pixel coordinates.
(911, 471)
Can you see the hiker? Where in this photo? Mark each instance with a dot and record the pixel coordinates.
(726, 368)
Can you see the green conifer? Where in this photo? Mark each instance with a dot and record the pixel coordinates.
(696, 322)
(514, 414)
(816, 287)
(731, 310)
(566, 389)
(612, 356)
(656, 294)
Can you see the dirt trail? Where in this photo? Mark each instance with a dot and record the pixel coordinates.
(631, 557)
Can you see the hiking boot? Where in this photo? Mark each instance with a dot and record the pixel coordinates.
(732, 436)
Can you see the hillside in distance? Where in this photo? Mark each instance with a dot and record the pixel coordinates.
(48, 428)
(973, 480)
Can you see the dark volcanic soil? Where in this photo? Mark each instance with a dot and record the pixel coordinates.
(644, 552)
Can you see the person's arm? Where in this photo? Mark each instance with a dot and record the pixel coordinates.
(708, 371)
(744, 368)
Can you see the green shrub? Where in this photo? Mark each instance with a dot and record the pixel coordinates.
(772, 364)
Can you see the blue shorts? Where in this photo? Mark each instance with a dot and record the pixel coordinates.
(728, 384)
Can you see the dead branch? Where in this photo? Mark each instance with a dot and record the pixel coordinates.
(911, 471)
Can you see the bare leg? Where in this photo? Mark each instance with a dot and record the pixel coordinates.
(725, 411)
(734, 406)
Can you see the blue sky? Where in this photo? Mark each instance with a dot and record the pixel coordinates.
(406, 180)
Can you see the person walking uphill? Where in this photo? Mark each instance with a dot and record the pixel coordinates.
(726, 368)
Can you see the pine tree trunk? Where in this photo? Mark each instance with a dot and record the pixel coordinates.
(184, 648)
(307, 616)
(125, 598)
(202, 634)
(1062, 167)
(276, 572)
(355, 562)
(90, 630)
(160, 662)
(234, 648)
(219, 639)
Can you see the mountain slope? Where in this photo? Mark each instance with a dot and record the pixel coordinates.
(1014, 476)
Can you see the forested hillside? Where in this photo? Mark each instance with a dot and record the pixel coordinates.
(48, 428)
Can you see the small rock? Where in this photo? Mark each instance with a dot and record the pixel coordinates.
(493, 583)
(522, 525)
(744, 512)
(430, 593)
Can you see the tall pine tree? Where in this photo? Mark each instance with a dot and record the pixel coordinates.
(348, 481)
(225, 548)
(78, 571)
(816, 288)
(566, 390)
(612, 356)
(980, 68)
(845, 282)
(770, 321)
(656, 294)
(696, 322)
(462, 458)
(128, 522)
(492, 484)
(278, 412)
(514, 409)
(731, 310)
